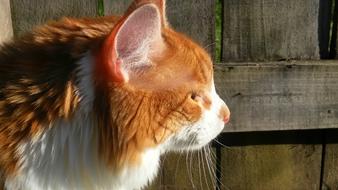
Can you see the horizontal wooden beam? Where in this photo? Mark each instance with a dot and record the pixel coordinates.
(271, 96)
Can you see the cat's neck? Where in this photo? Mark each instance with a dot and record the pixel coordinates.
(66, 155)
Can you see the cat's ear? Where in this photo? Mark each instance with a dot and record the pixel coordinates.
(161, 5)
(128, 47)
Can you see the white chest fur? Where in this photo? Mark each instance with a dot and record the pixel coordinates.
(65, 158)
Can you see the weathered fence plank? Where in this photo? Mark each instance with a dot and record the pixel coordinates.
(26, 14)
(275, 95)
(256, 30)
(266, 167)
(330, 164)
(330, 180)
(280, 95)
(196, 18)
(6, 32)
(115, 7)
(6, 29)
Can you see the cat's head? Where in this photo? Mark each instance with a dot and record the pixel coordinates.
(153, 87)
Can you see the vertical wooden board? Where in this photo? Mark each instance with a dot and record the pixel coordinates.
(330, 177)
(195, 18)
(270, 30)
(330, 164)
(6, 29)
(116, 7)
(185, 172)
(26, 14)
(266, 167)
(6, 33)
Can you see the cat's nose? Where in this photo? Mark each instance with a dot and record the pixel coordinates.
(225, 114)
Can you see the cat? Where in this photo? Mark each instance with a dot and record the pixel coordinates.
(94, 103)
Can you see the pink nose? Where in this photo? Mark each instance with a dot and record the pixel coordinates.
(225, 114)
(226, 120)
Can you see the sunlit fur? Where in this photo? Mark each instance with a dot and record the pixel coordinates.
(66, 124)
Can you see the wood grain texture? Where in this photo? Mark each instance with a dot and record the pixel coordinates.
(257, 30)
(6, 29)
(195, 18)
(27, 14)
(330, 164)
(116, 7)
(267, 167)
(280, 95)
(330, 178)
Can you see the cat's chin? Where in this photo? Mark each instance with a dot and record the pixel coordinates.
(191, 147)
(193, 141)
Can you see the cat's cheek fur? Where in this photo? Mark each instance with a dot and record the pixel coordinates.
(200, 133)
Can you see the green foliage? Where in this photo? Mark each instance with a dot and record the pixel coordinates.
(100, 7)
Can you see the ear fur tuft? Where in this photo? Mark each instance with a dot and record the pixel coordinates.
(130, 43)
(161, 5)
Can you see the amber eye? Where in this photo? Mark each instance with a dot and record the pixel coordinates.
(193, 96)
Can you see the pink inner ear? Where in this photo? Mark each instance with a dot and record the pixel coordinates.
(129, 44)
(138, 32)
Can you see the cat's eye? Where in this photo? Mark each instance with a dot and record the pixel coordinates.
(195, 96)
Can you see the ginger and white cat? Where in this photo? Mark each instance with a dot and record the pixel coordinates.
(93, 103)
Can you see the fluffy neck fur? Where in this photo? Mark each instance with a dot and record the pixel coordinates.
(66, 156)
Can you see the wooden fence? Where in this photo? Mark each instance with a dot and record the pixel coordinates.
(274, 73)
